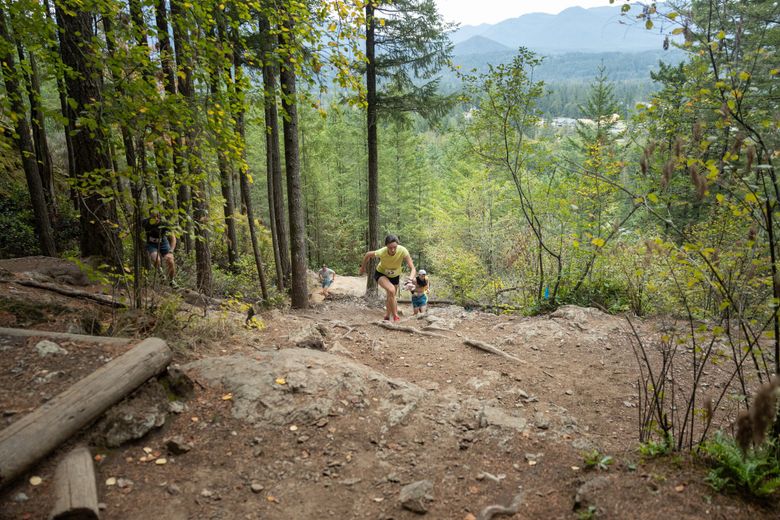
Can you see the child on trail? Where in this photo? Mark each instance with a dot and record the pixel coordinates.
(327, 277)
(420, 292)
(388, 272)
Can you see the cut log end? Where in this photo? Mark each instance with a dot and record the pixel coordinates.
(75, 489)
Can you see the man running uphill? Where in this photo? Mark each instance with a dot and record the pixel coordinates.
(388, 272)
(160, 243)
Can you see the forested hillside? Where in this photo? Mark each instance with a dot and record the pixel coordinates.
(275, 137)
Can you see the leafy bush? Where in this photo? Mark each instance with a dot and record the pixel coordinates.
(594, 459)
(756, 472)
(17, 225)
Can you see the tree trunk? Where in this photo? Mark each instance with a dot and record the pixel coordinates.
(372, 141)
(25, 145)
(245, 189)
(225, 182)
(276, 193)
(299, 292)
(169, 82)
(55, 48)
(98, 217)
(159, 151)
(200, 203)
(40, 140)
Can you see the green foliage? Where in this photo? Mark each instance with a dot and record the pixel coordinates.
(594, 459)
(656, 448)
(756, 473)
(588, 514)
(17, 231)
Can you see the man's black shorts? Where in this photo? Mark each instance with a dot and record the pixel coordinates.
(393, 280)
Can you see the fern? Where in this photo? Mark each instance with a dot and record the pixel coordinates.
(756, 473)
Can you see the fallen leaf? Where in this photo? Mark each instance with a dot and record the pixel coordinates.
(281, 381)
(473, 490)
(227, 397)
(161, 461)
(99, 458)
(532, 463)
(378, 499)
(469, 517)
(293, 428)
(679, 488)
(147, 450)
(36, 481)
(129, 459)
(111, 481)
(272, 498)
(575, 468)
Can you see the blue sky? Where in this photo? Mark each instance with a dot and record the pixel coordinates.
(475, 12)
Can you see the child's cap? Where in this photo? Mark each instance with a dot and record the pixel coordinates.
(422, 272)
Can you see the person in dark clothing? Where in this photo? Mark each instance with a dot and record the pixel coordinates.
(160, 244)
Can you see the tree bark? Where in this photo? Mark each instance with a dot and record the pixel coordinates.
(200, 203)
(225, 182)
(25, 145)
(97, 216)
(61, 90)
(246, 192)
(276, 193)
(40, 140)
(179, 162)
(75, 489)
(299, 293)
(372, 142)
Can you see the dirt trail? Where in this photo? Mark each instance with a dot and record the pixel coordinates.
(276, 431)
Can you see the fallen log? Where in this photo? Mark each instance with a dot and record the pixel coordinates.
(73, 293)
(75, 490)
(490, 348)
(29, 333)
(36, 434)
(411, 330)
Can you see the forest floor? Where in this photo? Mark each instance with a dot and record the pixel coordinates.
(323, 413)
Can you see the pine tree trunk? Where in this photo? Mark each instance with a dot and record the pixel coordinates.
(200, 203)
(226, 185)
(25, 144)
(55, 48)
(372, 141)
(160, 151)
(98, 217)
(276, 193)
(40, 140)
(179, 161)
(299, 293)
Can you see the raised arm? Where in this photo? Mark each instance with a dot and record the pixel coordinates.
(172, 240)
(366, 258)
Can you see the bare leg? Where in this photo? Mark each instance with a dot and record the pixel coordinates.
(170, 265)
(389, 288)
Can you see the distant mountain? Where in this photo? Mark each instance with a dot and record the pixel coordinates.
(479, 45)
(598, 29)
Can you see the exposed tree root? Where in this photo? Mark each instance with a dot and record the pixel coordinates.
(490, 348)
(73, 293)
(496, 510)
(411, 330)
